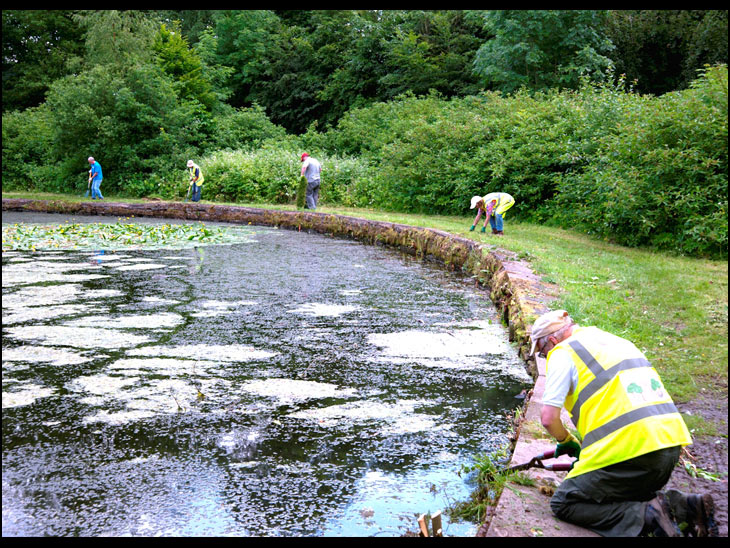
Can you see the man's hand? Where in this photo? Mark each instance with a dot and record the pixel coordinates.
(484, 229)
(569, 446)
(472, 228)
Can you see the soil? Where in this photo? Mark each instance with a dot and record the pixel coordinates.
(708, 453)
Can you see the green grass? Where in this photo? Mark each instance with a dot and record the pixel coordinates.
(674, 308)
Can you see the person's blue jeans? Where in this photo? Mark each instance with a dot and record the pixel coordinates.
(496, 221)
(197, 189)
(96, 190)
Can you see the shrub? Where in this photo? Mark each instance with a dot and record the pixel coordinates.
(661, 178)
(27, 162)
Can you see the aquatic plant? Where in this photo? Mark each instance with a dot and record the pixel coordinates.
(32, 237)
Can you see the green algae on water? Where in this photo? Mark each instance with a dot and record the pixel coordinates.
(110, 236)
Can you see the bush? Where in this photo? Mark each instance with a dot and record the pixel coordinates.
(639, 170)
(27, 162)
(661, 178)
(243, 128)
(271, 174)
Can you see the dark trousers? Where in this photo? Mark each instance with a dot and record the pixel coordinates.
(196, 192)
(612, 501)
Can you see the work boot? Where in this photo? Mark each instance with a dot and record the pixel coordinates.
(495, 231)
(697, 511)
(500, 232)
(658, 520)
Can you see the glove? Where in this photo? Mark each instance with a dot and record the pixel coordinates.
(484, 229)
(569, 446)
(472, 228)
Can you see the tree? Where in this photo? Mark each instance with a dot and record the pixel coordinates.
(117, 38)
(181, 63)
(542, 49)
(662, 50)
(245, 40)
(37, 48)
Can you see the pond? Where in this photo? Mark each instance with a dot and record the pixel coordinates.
(280, 384)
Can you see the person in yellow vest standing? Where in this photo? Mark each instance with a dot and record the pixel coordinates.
(631, 435)
(494, 206)
(196, 180)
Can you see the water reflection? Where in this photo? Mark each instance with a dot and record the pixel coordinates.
(293, 385)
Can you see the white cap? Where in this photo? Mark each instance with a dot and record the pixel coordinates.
(191, 163)
(475, 201)
(547, 324)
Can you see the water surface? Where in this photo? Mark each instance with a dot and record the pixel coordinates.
(291, 384)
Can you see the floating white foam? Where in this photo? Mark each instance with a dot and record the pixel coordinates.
(29, 394)
(35, 354)
(290, 390)
(101, 293)
(33, 277)
(100, 385)
(162, 366)
(358, 412)
(140, 321)
(80, 337)
(158, 300)
(428, 344)
(227, 353)
(108, 257)
(220, 308)
(247, 464)
(225, 305)
(320, 309)
(38, 313)
(142, 266)
(399, 418)
(44, 295)
(119, 418)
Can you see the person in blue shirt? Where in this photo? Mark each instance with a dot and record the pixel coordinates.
(95, 177)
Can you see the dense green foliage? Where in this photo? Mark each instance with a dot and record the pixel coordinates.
(638, 170)
(543, 49)
(408, 110)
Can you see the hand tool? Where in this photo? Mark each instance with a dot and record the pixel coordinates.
(536, 462)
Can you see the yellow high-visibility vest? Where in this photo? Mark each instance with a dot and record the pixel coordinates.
(504, 202)
(620, 406)
(201, 179)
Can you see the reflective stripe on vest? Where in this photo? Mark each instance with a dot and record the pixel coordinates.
(620, 406)
(201, 179)
(502, 198)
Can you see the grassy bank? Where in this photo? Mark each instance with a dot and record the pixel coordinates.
(673, 308)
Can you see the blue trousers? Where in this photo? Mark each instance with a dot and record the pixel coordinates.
(197, 189)
(95, 189)
(496, 221)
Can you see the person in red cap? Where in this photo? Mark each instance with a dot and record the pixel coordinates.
(311, 169)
